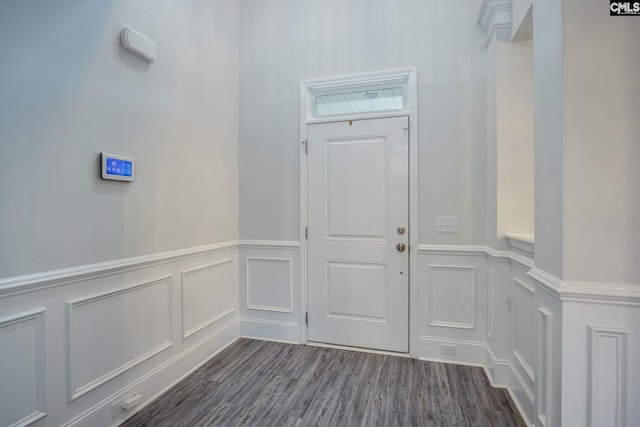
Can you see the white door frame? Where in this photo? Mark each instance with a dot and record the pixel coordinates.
(407, 77)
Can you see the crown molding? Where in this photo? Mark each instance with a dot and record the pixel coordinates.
(494, 18)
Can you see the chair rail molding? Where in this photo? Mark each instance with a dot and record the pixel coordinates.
(494, 18)
(32, 282)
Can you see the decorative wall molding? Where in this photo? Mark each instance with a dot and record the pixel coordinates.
(495, 18)
(249, 279)
(33, 282)
(269, 244)
(183, 285)
(614, 376)
(459, 250)
(37, 317)
(588, 292)
(525, 243)
(201, 351)
(433, 301)
(545, 366)
(490, 303)
(546, 281)
(601, 293)
(76, 390)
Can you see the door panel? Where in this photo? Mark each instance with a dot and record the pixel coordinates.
(358, 197)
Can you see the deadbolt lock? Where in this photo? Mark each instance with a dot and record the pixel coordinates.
(401, 230)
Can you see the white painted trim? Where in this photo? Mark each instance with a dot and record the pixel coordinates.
(184, 274)
(511, 257)
(494, 17)
(522, 383)
(269, 244)
(501, 369)
(115, 397)
(523, 242)
(516, 401)
(270, 330)
(206, 323)
(621, 336)
(490, 296)
(409, 75)
(41, 357)
(627, 294)
(364, 116)
(37, 281)
(548, 282)
(601, 293)
(432, 300)
(459, 250)
(250, 306)
(523, 363)
(524, 285)
(74, 391)
(544, 408)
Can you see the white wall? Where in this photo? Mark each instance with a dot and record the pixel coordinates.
(284, 42)
(68, 91)
(600, 144)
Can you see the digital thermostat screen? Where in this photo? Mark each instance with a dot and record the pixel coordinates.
(119, 167)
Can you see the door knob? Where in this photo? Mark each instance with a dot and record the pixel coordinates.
(400, 247)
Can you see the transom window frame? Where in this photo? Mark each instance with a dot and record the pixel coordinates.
(402, 78)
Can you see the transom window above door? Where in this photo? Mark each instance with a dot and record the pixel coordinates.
(362, 96)
(362, 101)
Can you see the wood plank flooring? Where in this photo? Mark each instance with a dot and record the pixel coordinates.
(260, 383)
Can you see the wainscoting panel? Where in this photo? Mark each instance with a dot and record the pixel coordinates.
(523, 326)
(270, 291)
(452, 304)
(452, 296)
(206, 296)
(112, 332)
(113, 329)
(269, 284)
(601, 361)
(22, 368)
(607, 376)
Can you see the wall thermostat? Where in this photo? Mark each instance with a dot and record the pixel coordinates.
(138, 44)
(117, 167)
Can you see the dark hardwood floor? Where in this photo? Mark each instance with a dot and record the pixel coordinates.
(259, 383)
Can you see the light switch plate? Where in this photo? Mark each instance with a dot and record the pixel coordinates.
(447, 224)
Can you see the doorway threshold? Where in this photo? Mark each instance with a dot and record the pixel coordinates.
(359, 349)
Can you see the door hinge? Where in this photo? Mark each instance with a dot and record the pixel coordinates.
(306, 318)
(306, 232)
(306, 146)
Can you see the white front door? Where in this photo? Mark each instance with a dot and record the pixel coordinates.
(358, 257)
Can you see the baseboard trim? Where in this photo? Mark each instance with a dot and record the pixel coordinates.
(470, 353)
(270, 330)
(497, 369)
(49, 279)
(228, 335)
